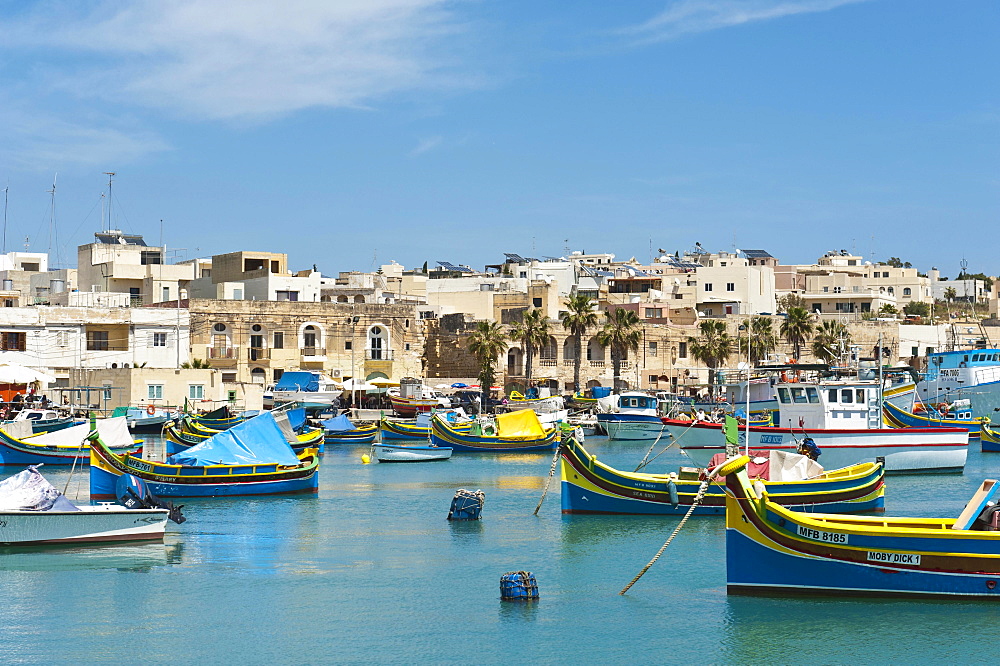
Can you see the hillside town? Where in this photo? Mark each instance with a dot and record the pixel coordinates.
(125, 327)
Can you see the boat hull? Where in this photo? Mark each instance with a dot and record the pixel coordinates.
(89, 525)
(631, 427)
(389, 453)
(19, 452)
(904, 449)
(900, 418)
(588, 486)
(442, 435)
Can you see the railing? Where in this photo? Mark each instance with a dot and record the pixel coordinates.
(258, 354)
(569, 362)
(379, 354)
(219, 353)
(547, 362)
(313, 351)
(624, 365)
(596, 364)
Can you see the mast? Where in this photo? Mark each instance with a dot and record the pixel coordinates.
(52, 213)
(5, 219)
(110, 175)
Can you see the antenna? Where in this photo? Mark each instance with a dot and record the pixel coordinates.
(5, 218)
(52, 213)
(110, 175)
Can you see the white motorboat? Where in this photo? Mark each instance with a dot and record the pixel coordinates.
(34, 512)
(396, 453)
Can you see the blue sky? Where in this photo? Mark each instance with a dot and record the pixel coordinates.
(354, 132)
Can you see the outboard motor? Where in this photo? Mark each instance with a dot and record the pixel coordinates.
(808, 448)
(988, 520)
(133, 493)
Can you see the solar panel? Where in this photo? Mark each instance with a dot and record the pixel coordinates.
(515, 258)
(757, 254)
(683, 264)
(448, 266)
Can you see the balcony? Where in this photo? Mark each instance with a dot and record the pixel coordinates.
(547, 362)
(258, 354)
(379, 354)
(596, 364)
(222, 354)
(313, 353)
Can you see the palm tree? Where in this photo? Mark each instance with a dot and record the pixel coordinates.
(761, 338)
(712, 347)
(621, 332)
(577, 318)
(531, 333)
(796, 328)
(486, 343)
(831, 338)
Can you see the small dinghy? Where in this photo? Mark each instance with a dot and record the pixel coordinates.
(394, 453)
(33, 511)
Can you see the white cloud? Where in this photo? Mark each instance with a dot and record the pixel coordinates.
(690, 16)
(426, 144)
(252, 59)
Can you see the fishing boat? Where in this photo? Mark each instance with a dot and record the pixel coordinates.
(251, 458)
(144, 419)
(183, 434)
(519, 431)
(410, 453)
(313, 391)
(541, 403)
(900, 418)
(792, 480)
(218, 419)
(340, 430)
(968, 374)
(418, 429)
(34, 512)
(989, 439)
(770, 548)
(636, 418)
(844, 419)
(66, 446)
(44, 420)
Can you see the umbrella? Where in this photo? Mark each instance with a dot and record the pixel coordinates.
(12, 373)
(441, 386)
(355, 385)
(383, 383)
(459, 385)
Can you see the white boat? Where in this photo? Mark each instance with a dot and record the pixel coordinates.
(843, 418)
(396, 453)
(312, 390)
(33, 512)
(637, 418)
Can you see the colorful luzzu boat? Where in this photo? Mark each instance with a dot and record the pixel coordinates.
(252, 458)
(590, 486)
(519, 431)
(66, 446)
(989, 439)
(898, 417)
(340, 430)
(411, 406)
(417, 430)
(772, 548)
(182, 435)
(220, 419)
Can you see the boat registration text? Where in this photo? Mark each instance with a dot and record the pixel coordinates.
(894, 558)
(820, 535)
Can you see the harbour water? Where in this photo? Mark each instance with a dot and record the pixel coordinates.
(369, 570)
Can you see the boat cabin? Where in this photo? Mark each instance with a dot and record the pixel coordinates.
(951, 370)
(637, 403)
(832, 405)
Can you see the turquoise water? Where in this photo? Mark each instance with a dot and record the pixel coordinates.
(370, 571)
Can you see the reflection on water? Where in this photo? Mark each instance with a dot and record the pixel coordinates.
(518, 612)
(137, 557)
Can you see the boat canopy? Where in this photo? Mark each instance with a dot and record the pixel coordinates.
(30, 491)
(255, 441)
(298, 381)
(114, 433)
(338, 424)
(522, 423)
(296, 417)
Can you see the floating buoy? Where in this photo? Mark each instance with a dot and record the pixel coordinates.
(365, 459)
(467, 505)
(518, 586)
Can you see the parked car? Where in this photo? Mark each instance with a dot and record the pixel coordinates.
(466, 399)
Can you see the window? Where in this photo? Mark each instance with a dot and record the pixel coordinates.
(708, 286)
(279, 340)
(652, 349)
(97, 340)
(348, 345)
(228, 377)
(286, 295)
(653, 379)
(166, 294)
(906, 291)
(62, 338)
(826, 290)
(847, 396)
(196, 391)
(813, 395)
(885, 274)
(12, 341)
(159, 339)
(836, 290)
(406, 346)
(833, 395)
(219, 328)
(256, 328)
(798, 395)
(783, 395)
(309, 336)
(730, 286)
(678, 296)
(930, 350)
(238, 295)
(537, 302)
(682, 350)
(914, 351)
(154, 391)
(654, 313)
(148, 257)
(860, 395)
(277, 373)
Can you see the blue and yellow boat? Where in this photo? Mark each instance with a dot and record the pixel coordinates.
(251, 458)
(415, 430)
(518, 431)
(898, 417)
(590, 486)
(64, 447)
(770, 548)
(340, 430)
(989, 439)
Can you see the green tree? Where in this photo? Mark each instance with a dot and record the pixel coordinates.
(796, 328)
(918, 308)
(761, 338)
(577, 318)
(712, 347)
(896, 262)
(531, 333)
(830, 341)
(789, 301)
(486, 343)
(888, 310)
(622, 332)
(196, 363)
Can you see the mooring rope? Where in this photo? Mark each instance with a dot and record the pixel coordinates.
(552, 470)
(697, 500)
(666, 448)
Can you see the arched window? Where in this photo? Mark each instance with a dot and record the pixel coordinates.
(257, 376)
(359, 299)
(378, 343)
(906, 291)
(342, 299)
(311, 339)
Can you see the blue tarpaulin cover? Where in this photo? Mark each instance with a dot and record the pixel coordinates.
(296, 418)
(255, 441)
(338, 424)
(298, 381)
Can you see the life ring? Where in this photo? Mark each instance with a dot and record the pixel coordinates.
(151, 409)
(731, 465)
